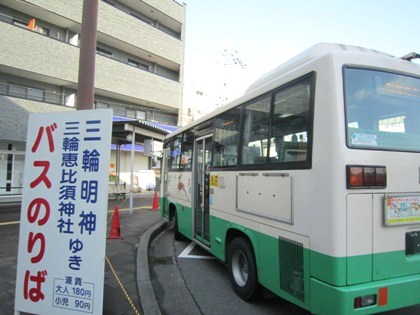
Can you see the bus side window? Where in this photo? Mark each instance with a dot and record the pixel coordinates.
(175, 154)
(226, 138)
(290, 124)
(255, 135)
(186, 151)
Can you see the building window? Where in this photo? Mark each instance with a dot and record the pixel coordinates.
(118, 111)
(137, 64)
(52, 97)
(130, 113)
(42, 30)
(20, 23)
(109, 2)
(104, 52)
(28, 93)
(12, 161)
(142, 18)
(35, 94)
(140, 115)
(17, 91)
(3, 88)
(100, 104)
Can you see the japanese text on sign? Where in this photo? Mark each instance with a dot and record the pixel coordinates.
(63, 219)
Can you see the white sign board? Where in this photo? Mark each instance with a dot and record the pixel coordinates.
(61, 256)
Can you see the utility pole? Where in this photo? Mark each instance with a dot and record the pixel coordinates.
(86, 82)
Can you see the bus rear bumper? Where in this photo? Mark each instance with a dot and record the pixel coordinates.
(388, 295)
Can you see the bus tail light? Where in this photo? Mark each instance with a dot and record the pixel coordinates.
(361, 176)
(363, 301)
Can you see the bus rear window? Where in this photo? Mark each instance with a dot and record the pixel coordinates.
(382, 110)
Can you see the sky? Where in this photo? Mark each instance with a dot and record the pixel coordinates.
(265, 33)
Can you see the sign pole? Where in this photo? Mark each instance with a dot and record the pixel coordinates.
(133, 141)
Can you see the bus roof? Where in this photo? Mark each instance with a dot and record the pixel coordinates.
(308, 55)
(312, 53)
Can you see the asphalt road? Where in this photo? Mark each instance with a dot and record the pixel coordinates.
(9, 233)
(206, 280)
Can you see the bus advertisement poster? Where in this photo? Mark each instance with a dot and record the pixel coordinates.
(400, 210)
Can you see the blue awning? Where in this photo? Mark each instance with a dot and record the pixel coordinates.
(164, 127)
(120, 118)
(167, 128)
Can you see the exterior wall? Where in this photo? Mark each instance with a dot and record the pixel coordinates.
(31, 52)
(15, 113)
(51, 59)
(172, 8)
(136, 84)
(71, 9)
(130, 30)
(115, 23)
(141, 162)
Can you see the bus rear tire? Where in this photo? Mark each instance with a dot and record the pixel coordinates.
(243, 270)
(177, 235)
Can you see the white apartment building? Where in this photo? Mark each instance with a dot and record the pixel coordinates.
(139, 66)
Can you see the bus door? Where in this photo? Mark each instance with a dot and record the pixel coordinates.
(203, 149)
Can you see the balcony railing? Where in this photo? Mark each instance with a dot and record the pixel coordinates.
(35, 94)
(10, 191)
(40, 95)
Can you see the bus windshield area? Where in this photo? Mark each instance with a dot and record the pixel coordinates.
(382, 110)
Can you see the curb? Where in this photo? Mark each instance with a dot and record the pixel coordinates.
(146, 293)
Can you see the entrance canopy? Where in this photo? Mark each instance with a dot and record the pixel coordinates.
(123, 130)
(131, 132)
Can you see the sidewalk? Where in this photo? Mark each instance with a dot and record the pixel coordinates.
(168, 282)
(123, 265)
(122, 296)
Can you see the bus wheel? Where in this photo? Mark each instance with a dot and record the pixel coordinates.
(177, 235)
(243, 270)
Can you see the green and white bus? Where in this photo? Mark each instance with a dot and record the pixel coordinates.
(309, 184)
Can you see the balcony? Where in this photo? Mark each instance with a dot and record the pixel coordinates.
(116, 28)
(37, 57)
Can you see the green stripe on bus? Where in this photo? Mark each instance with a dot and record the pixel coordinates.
(395, 264)
(359, 269)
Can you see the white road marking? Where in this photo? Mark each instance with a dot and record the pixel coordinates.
(186, 253)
